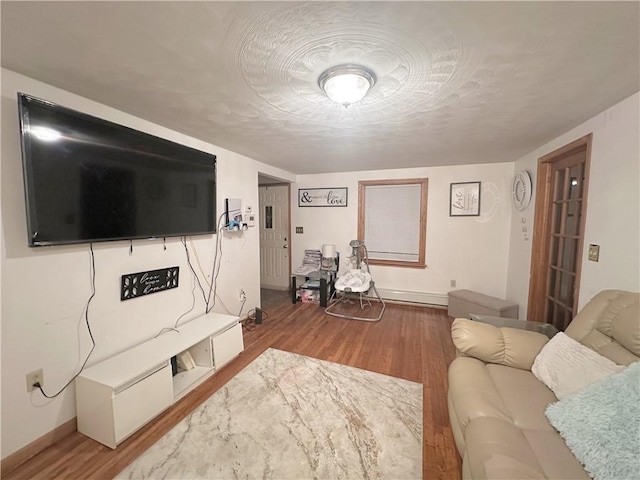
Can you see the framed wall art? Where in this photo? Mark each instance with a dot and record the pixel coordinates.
(322, 197)
(464, 199)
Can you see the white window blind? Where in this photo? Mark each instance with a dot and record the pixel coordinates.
(393, 222)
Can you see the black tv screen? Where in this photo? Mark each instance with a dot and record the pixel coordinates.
(90, 180)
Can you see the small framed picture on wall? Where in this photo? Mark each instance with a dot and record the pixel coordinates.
(464, 199)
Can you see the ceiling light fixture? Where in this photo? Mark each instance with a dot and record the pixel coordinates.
(346, 84)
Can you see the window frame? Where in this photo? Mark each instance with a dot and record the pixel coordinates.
(424, 187)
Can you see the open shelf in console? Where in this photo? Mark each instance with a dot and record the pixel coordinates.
(182, 381)
(198, 361)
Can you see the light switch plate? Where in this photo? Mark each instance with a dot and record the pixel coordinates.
(299, 230)
(594, 252)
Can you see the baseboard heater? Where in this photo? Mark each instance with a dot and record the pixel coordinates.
(414, 297)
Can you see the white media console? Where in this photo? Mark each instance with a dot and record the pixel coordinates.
(121, 394)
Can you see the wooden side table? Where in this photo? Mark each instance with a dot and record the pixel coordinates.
(327, 279)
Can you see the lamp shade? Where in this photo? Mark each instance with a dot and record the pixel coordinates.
(329, 251)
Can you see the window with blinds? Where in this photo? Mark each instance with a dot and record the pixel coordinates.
(392, 221)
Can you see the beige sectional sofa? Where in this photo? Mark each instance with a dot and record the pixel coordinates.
(497, 406)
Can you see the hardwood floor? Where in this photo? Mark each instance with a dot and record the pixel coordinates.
(409, 342)
(273, 298)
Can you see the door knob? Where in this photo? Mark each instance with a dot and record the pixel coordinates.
(285, 246)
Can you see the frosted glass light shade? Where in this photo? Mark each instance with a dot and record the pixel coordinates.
(346, 84)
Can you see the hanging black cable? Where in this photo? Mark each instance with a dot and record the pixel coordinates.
(216, 267)
(204, 297)
(86, 318)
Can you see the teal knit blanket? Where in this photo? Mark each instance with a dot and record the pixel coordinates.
(601, 425)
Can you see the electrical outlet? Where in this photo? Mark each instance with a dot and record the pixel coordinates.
(33, 378)
(453, 283)
(242, 296)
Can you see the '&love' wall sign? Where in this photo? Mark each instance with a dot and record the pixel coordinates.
(322, 197)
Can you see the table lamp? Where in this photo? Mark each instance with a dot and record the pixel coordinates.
(328, 257)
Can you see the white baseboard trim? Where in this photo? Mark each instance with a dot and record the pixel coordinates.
(414, 297)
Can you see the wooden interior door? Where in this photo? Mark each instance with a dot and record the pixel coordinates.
(561, 202)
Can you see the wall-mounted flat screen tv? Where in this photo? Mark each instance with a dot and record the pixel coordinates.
(90, 180)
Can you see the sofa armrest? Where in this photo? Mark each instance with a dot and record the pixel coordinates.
(505, 346)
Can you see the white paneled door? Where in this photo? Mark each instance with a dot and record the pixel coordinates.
(274, 236)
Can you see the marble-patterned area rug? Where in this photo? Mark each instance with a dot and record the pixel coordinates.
(287, 416)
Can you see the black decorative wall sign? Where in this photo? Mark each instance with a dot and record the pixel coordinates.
(135, 285)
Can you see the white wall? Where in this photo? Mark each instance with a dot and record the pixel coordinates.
(613, 216)
(45, 289)
(471, 250)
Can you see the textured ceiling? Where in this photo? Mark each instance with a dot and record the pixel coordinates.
(457, 82)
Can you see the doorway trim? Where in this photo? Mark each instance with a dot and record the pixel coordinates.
(542, 226)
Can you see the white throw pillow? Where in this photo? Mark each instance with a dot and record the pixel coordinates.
(566, 366)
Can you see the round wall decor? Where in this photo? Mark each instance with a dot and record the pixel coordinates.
(521, 190)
